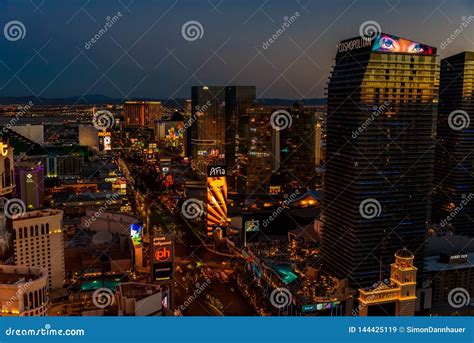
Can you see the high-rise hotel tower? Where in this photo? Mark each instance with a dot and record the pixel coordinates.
(217, 124)
(454, 180)
(380, 154)
(7, 204)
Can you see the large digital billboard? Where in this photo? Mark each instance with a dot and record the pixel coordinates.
(162, 258)
(384, 43)
(390, 43)
(216, 198)
(252, 225)
(105, 141)
(136, 232)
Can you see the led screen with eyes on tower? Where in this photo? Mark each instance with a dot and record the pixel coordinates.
(389, 43)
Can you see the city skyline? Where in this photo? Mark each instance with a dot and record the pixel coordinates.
(149, 57)
(246, 159)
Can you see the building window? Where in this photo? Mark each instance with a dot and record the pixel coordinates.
(7, 171)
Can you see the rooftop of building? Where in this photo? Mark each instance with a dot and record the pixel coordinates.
(379, 286)
(137, 290)
(37, 214)
(28, 165)
(142, 102)
(434, 264)
(404, 253)
(11, 275)
(24, 145)
(464, 55)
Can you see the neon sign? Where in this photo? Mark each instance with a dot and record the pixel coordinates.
(3, 149)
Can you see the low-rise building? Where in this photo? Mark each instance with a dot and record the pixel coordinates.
(23, 291)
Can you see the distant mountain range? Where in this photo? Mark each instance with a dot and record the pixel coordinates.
(97, 99)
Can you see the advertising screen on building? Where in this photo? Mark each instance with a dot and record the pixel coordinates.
(162, 258)
(105, 141)
(383, 42)
(389, 43)
(216, 198)
(136, 231)
(252, 226)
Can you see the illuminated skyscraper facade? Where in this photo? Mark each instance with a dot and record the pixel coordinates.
(259, 162)
(142, 113)
(454, 181)
(218, 119)
(237, 100)
(380, 155)
(39, 242)
(206, 134)
(7, 186)
(30, 183)
(297, 156)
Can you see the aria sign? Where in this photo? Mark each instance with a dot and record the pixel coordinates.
(216, 171)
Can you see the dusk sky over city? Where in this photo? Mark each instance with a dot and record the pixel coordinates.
(242, 171)
(144, 55)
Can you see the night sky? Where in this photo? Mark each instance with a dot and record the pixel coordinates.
(143, 54)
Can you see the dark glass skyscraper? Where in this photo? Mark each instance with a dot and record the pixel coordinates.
(205, 137)
(237, 100)
(380, 155)
(454, 172)
(219, 112)
(297, 148)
